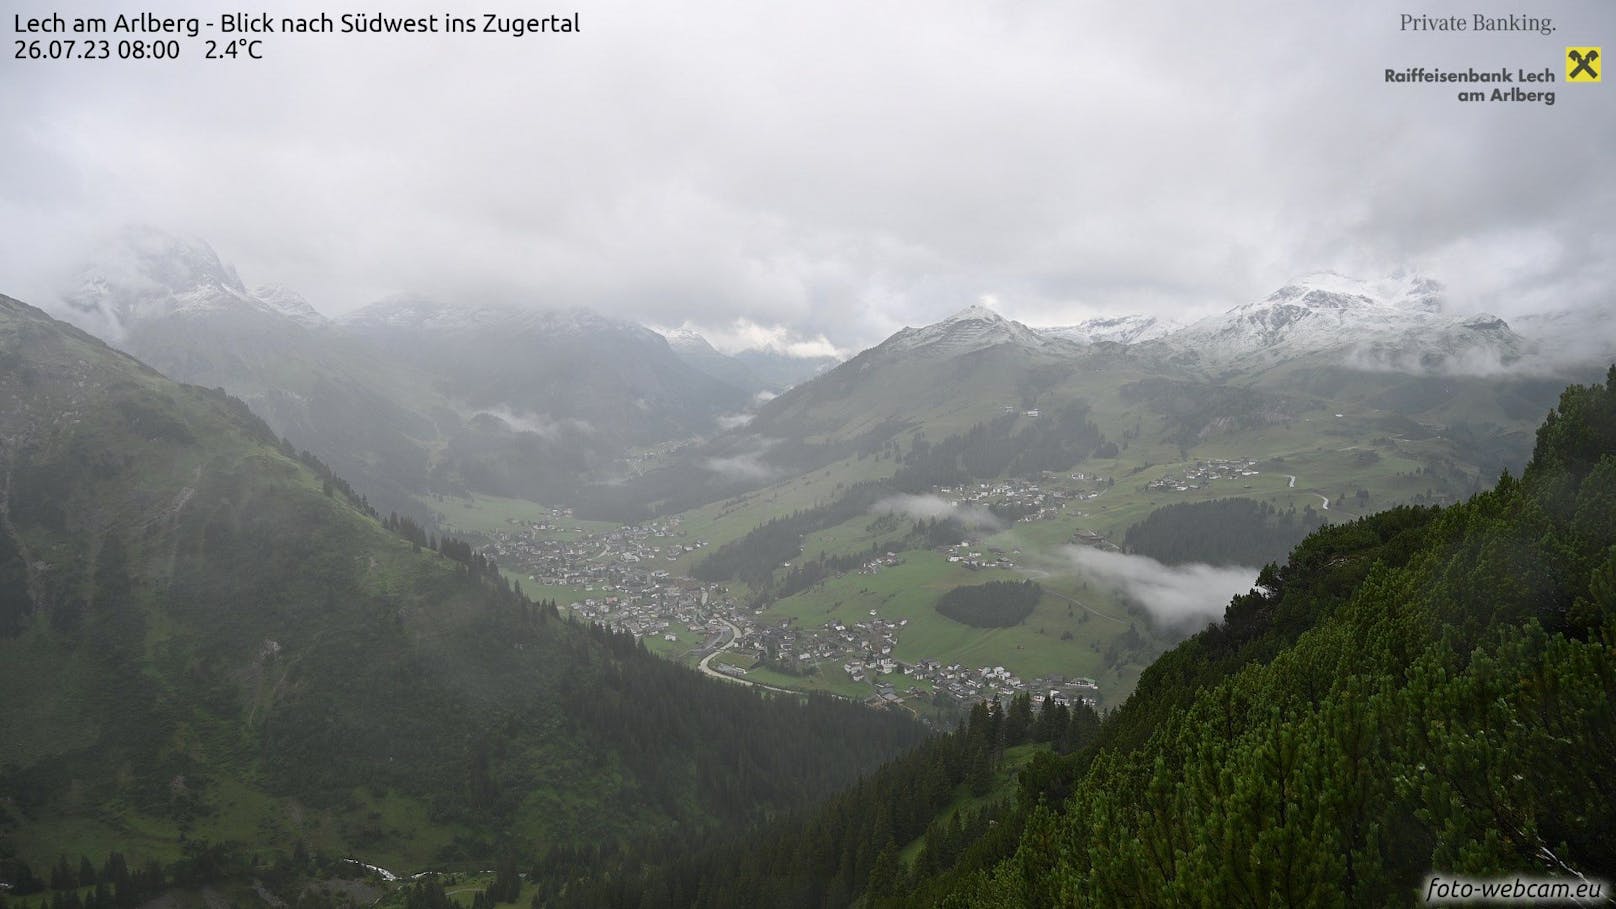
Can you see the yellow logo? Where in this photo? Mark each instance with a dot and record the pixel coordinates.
(1582, 64)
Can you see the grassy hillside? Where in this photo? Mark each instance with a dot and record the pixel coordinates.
(1422, 689)
(1131, 453)
(207, 638)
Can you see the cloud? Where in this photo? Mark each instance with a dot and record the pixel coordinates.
(727, 421)
(767, 167)
(747, 465)
(930, 507)
(742, 467)
(744, 334)
(1184, 597)
(536, 423)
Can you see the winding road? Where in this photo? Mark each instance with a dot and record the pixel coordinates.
(734, 635)
(1292, 478)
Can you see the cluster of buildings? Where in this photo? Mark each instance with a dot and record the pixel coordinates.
(627, 558)
(1030, 500)
(628, 585)
(967, 556)
(860, 648)
(624, 568)
(964, 685)
(1205, 473)
(887, 560)
(865, 652)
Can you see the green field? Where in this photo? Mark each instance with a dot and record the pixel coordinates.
(1331, 457)
(909, 592)
(481, 514)
(730, 519)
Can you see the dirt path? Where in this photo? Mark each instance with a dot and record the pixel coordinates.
(1086, 606)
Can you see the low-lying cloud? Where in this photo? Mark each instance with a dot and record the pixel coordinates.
(742, 467)
(1184, 597)
(972, 517)
(538, 424)
(747, 465)
(743, 334)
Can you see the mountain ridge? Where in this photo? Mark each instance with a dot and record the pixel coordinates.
(207, 636)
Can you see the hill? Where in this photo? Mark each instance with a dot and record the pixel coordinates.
(1027, 442)
(408, 396)
(1416, 691)
(1420, 689)
(208, 637)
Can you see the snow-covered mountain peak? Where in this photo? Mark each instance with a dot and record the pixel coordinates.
(1129, 329)
(288, 303)
(973, 328)
(145, 255)
(685, 340)
(1396, 323)
(976, 312)
(144, 274)
(1328, 290)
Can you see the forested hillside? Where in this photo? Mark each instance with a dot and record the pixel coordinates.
(1420, 689)
(206, 637)
(936, 804)
(1448, 702)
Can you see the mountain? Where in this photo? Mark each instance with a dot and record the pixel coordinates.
(1418, 692)
(206, 638)
(1383, 347)
(172, 303)
(974, 328)
(1396, 325)
(409, 396)
(973, 368)
(289, 303)
(1129, 329)
(1459, 394)
(760, 369)
(975, 361)
(146, 275)
(566, 372)
(779, 370)
(695, 350)
(1372, 637)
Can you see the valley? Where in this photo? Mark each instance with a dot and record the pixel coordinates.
(952, 454)
(607, 605)
(806, 456)
(867, 630)
(209, 639)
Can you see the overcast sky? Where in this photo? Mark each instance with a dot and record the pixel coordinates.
(834, 168)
